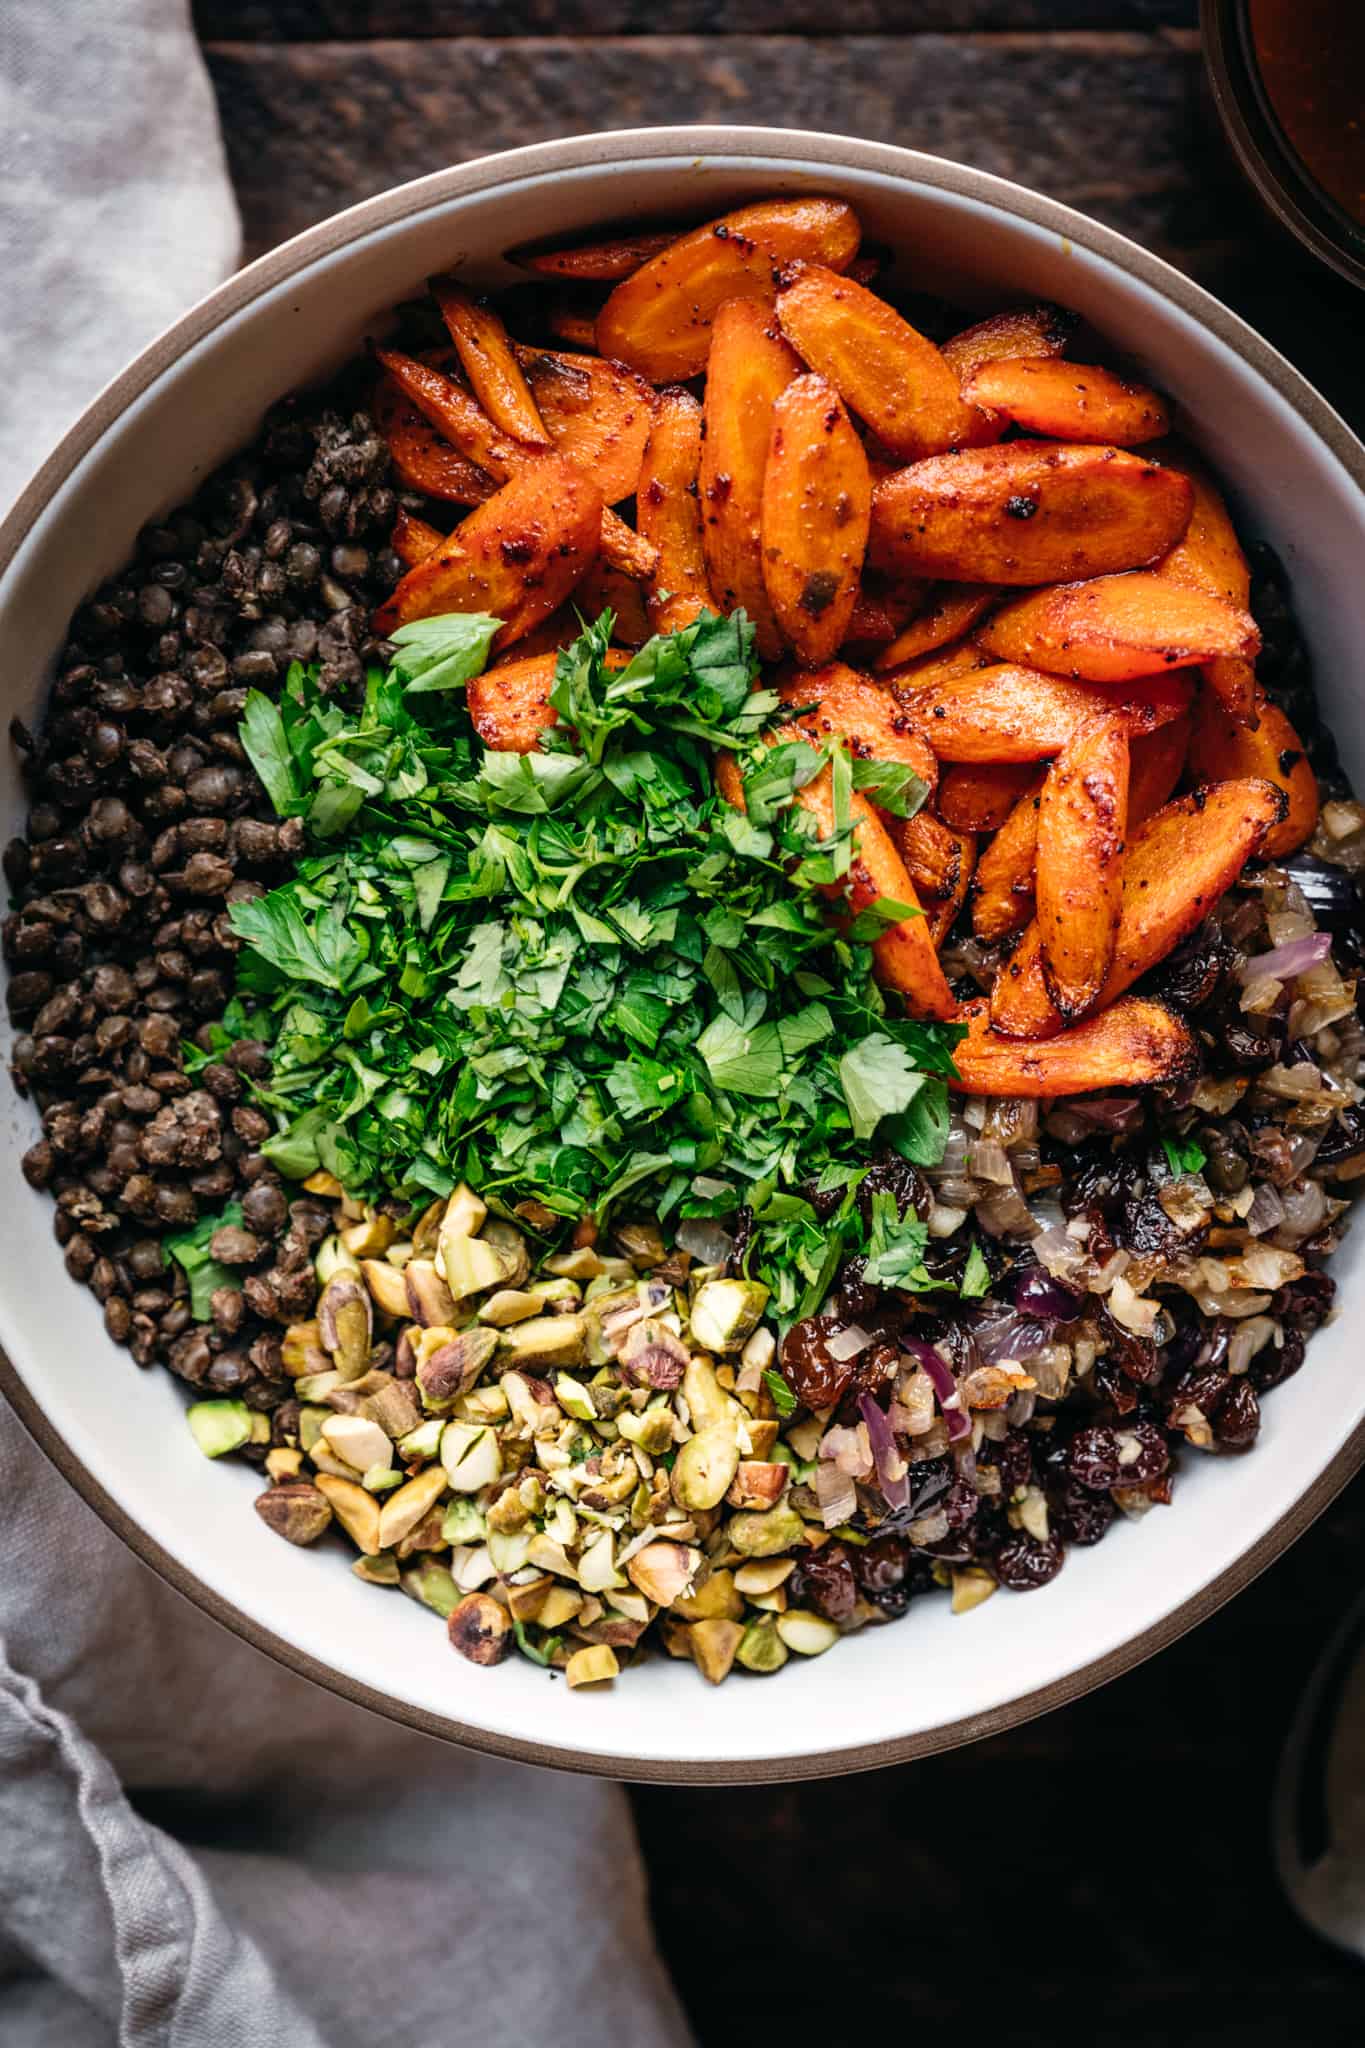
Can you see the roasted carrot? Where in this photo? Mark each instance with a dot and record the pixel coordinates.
(1155, 762)
(510, 706)
(1078, 869)
(1006, 713)
(517, 557)
(601, 262)
(1027, 512)
(1118, 628)
(413, 539)
(486, 355)
(1003, 902)
(885, 605)
(952, 611)
(422, 459)
(1068, 401)
(978, 796)
(1210, 558)
(1221, 747)
(603, 588)
(884, 369)
(817, 500)
(939, 862)
(749, 366)
(668, 509)
(1041, 330)
(573, 320)
(454, 412)
(658, 320)
(864, 715)
(1176, 867)
(927, 671)
(1132, 1045)
(597, 413)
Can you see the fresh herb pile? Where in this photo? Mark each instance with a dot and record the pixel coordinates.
(578, 975)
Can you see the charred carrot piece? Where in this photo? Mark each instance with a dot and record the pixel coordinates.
(601, 262)
(1004, 874)
(750, 365)
(597, 413)
(509, 704)
(413, 539)
(1078, 872)
(885, 606)
(1155, 763)
(817, 500)
(1118, 628)
(1222, 747)
(668, 509)
(952, 612)
(486, 356)
(422, 460)
(939, 861)
(1133, 1044)
(1210, 558)
(1067, 401)
(978, 796)
(845, 705)
(1008, 713)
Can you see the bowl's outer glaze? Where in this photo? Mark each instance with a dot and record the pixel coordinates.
(196, 395)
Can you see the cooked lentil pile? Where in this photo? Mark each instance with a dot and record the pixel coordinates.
(579, 1400)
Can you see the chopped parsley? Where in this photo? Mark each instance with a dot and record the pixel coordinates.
(578, 978)
(1183, 1155)
(784, 1400)
(976, 1275)
(190, 1250)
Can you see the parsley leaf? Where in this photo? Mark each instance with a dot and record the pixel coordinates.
(1183, 1155)
(879, 1079)
(891, 786)
(895, 1247)
(443, 653)
(190, 1250)
(976, 1277)
(784, 1400)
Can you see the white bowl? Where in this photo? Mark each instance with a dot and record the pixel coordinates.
(118, 1434)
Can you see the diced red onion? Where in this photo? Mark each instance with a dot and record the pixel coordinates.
(1266, 1211)
(988, 1160)
(964, 1457)
(892, 1471)
(1305, 1210)
(1283, 963)
(1005, 1213)
(1107, 1112)
(846, 1344)
(1035, 1293)
(1000, 1332)
(836, 1494)
(849, 1449)
(945, 1386)
(704, 1240)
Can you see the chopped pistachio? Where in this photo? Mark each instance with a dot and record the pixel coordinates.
(525, 1601)
(386, 1286)
(707, 1401)
(713, 1645)
(761, 1648)
(757, 1533)
(582, 1263)
(509, 1305)
(394, 1407)
(301, 1350)
(311, 1419)
(346, 1323)
(325, 1184)
(282, 1464)
(549, 1554)
(368, 1239)
(972, 1584)
(483, 1404)
(465, 1213)
(757, 1484)
(333, 1257)
(422, 1442)
(663, 1571)
(447, 1370)
(764, 1575)
(509, 1549)
(473, 1265)
(775, 1602)
(316, 1386)
(295, 1510)
(471, 1566)
(759, 1351)
(326, 1461)
(463, 1522)
(560, 1605)
(471, 1456)
(260, 1427)
(507, 1239)
(724, 1313)
(425, 1535)
(381, 1479)
(480, 1629)
(597, 1571)
(675, 1635)
(219, 1426)
(574, 1398)
(544, 1341)
(651, 1429)
(356, 1510)
(762, 1438)
(705, 1466)
(432, 1584)
(360, 1442)
(804, 1439)
(716, 1598)
(592, 1666)
(403, 1510)
(810, 1635)
(377, 1571)
(430, 1301)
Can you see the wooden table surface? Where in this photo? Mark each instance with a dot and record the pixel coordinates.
(1105, 1869)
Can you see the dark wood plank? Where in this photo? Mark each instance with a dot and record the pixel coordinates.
(335, 20)
(1104, 122)
(1106, 1865)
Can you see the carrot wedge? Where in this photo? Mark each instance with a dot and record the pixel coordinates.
(979, 796)
(1178, 864)
(454, 412)
(1078, 875)
(422, 459)
(884, 369)
(1067, 401)
(517, 557)
(952, 611)
(750, 365)
(1007, 713)
(885, 606)
(865, 716)
(668, 512)
(1155, 762)
(1210, 558)
(510, 705)
(903, 957)
(597, 413)
(413, 539)
(1003, 902)
(1042, 330)
(940, 863)
(1027, 512)
(486, 356)
(1220, 746)
(1117, 628)
(659, 319)
(604, 262)
(1133, 1044)
(817, 500)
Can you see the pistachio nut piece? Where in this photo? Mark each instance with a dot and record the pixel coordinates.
(377, 1571)
(356, 1510)
(762, 1648)
(971, 1585)
(450, 1369)
(725, 1313)
(543, 1342)
(346, 1324)
(714, 1645)
(664, 1571)
(757, 1484)
(219, 1426)
(294, 1510)
(716, 1599)
(509, 1305)
(465, 1213)
(470, 1455)
(430, 1301)
(705, 1466)
(368, 1239)
(507, 1239)
(361, 1443)
(386, 1286)
(707, 1400)
(432, 1584)
(592, 1666)
(472, 1265)
(767, 1533)
(332, 1258)
(810, 1635)
(480, 1629)
(402, 1511)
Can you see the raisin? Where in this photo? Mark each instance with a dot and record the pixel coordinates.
(1023, 1564)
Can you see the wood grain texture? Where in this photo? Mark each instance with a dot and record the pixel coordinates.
(1102, 121)
(339, 20)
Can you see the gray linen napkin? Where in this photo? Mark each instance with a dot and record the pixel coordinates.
(198, 1849)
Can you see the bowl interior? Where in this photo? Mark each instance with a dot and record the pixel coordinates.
(932, 1677)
